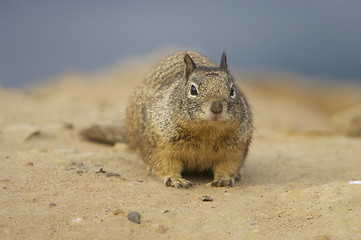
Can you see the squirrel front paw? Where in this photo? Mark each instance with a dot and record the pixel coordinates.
(177, 182)
(222, 183)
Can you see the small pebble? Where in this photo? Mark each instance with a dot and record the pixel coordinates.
(77, 220)
(52, 204)
(68, 125)
(100, 170)
(134, 217)
(117, 212)
(111, 174)
(207, 199)
(321, 237)
(161, 229)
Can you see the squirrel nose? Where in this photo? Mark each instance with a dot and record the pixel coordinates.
(217, 107)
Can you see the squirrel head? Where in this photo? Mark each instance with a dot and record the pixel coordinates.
(210, 93)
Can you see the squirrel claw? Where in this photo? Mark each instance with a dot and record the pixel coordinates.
(222, 183)
(178, 183)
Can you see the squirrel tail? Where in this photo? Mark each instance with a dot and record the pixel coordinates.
(109, 134)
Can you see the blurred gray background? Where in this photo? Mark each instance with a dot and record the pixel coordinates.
(42, 38)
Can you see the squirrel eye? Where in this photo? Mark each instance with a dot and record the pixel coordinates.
(194, 90)
(232, 92)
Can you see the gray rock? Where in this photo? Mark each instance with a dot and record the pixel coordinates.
(134, 217)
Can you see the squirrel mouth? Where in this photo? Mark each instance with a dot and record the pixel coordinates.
(215, 118)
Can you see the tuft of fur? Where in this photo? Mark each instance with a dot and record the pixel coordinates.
(188, 115)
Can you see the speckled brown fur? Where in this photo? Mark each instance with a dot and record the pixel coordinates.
(189, 116)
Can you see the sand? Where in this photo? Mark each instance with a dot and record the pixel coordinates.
(295, 183)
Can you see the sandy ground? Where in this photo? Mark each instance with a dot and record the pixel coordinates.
(295, 185)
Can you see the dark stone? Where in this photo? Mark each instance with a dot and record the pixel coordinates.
(207, 199)
(134, 217)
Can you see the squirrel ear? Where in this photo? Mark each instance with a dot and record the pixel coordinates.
(190, 65)
(224, 65)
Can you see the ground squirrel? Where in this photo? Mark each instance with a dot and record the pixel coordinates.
(186, 116)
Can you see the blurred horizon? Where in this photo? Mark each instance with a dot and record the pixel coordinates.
(41, 39)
